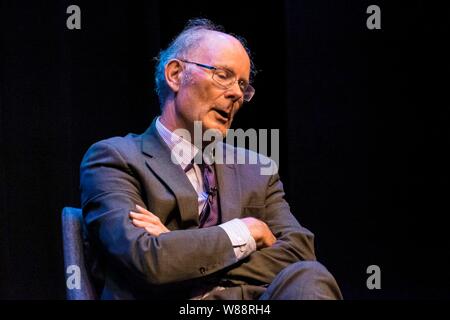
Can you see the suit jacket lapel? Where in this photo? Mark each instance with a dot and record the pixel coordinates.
(229, 191)
(160, 162)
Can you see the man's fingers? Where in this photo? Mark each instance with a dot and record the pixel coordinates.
(153, 230)
(144, 217)
(151, 227)
(144, 211)
(147, 220)
(272, 240)
(140, 224)
(164, 228)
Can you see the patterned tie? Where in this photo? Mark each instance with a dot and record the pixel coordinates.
(210, 215)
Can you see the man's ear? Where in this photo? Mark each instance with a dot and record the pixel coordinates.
(173, 73)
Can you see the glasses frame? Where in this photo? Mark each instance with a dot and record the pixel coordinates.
(247, 90)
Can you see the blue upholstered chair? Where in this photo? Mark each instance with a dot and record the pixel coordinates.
(78, 282)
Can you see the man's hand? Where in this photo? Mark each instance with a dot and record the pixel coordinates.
(147, 220)
(260, 232)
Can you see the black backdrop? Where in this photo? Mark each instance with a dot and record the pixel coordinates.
(363, 116)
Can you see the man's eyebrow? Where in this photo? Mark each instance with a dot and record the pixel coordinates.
(227, 67)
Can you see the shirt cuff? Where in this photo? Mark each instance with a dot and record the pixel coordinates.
(241, 238)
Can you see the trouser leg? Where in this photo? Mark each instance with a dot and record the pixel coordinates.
(304, 280)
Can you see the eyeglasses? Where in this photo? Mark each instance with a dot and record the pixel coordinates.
(226, 79)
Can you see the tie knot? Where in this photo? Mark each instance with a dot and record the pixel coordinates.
(188, 167)
(206, 167)
(208, 176)
(210, 213)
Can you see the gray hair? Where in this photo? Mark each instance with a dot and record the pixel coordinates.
(186, 40)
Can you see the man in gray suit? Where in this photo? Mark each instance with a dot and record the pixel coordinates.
(163, 225)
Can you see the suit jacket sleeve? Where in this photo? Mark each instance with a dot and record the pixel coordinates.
(110, 188)
(294, 242)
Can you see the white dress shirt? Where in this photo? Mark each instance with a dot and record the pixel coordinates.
(182, 153)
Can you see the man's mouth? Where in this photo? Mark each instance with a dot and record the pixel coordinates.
(222, 113)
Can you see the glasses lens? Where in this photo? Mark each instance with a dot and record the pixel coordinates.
(227, 78)
(249, 93)
(223, 77)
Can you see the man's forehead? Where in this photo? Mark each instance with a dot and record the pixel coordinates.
(222, 49)
(218, 37)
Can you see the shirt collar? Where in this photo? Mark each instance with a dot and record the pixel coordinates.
(182, 151)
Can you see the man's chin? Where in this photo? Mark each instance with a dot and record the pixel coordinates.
(217, 130)
(220, 130)
(216, 126)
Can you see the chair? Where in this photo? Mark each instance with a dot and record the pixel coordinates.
(79, 285)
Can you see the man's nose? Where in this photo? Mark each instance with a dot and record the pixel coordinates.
(234, 92)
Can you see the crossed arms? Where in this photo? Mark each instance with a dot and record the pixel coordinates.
(113, 182)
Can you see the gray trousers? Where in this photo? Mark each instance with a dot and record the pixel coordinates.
(304, 280)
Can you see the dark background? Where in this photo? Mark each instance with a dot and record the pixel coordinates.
(363, 114)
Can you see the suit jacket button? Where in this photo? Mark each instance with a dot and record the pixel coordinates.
(202, 270)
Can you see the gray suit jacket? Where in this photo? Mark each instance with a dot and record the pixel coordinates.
(118, 173)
